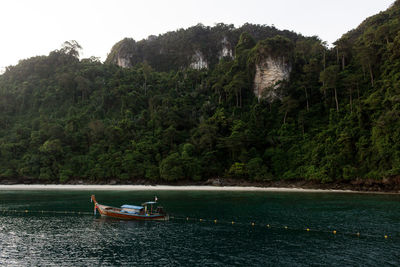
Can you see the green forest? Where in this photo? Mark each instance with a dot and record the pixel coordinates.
(64, 118)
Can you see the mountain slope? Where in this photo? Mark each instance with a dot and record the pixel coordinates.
(332, 117)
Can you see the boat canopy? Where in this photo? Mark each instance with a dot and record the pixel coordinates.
(131, 207)
(149, 203)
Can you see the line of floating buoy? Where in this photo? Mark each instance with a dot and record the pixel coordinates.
(253, 224)
(47, 211)
(285, 227)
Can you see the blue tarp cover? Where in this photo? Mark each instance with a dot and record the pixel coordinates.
(131, 207)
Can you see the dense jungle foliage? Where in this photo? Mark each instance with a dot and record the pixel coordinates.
(63, 118)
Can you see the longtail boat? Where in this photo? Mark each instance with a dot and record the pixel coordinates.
(148, 211)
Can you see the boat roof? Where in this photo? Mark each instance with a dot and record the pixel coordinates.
(149, 203)
(131, 207)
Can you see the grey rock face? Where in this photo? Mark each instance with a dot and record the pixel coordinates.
(269, 73)
(198, 61)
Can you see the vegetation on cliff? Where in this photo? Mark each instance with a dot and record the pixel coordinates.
(62, 118)
(174, 50)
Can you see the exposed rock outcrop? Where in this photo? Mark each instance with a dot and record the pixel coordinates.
(226, 50)
(269, 73)
(123, 52)
(198, 61)
(123, 61)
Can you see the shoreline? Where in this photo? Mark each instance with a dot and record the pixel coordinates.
(88, 187)
(384, 186)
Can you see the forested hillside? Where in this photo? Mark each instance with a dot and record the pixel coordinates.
(63, 118)
(179, 49)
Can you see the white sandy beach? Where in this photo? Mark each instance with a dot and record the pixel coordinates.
(170, 188)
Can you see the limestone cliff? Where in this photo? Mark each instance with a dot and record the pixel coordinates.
(196, 47)
(226, 49)
(198, 61)
(126, 54)
(123, 52)
(123, 61)
(269, 73)
(272, 59)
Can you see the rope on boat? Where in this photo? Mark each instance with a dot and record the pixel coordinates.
(252, 224)
(268, 226)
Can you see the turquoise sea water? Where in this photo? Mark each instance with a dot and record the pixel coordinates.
(41, 239)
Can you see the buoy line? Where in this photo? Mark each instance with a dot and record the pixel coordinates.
(232, 223)
(252, 224)
(48, 211)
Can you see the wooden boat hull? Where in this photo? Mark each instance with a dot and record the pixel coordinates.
(108, 211)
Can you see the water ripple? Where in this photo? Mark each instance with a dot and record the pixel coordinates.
(64, 240)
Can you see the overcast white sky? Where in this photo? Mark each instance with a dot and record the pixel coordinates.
(36, 27)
